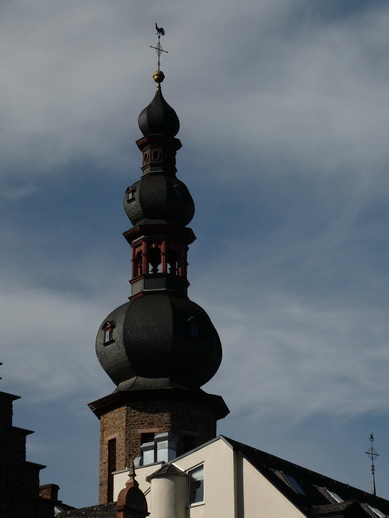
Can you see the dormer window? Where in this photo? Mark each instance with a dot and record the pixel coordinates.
(194, 331)
(193, 327)
(108, 332)
(178, 188)
(130, 194)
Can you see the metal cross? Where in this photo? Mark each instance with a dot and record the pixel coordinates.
(158, 47)
(371, 452)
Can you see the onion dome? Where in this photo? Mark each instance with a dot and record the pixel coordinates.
(158, 341)
(159, 198)
(159, 118)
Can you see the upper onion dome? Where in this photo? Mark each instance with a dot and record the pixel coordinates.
(158, 118)
(159, 198)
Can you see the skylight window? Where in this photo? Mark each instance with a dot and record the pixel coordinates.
(376, 512)
(290, 481)
(332, 496)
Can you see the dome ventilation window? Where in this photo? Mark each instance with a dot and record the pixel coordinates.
(107, 329)
(130, 194)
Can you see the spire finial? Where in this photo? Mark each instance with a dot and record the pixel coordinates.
(371, 452)
(132, 482)
(158, 47)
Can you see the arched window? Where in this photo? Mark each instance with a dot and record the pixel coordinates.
(172, 261)
(138, 268)
(154, 258)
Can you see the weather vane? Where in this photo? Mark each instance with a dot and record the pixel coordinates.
(158, 47)
(371, 452)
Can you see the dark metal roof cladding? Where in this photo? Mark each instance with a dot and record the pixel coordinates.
(158, 118)
(95, 511)
(152, 341)
(160, 336)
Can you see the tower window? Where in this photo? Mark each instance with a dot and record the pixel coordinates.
(137, 267)
(154, 258)
(130, 191)
(156, 155)
(172, 261)
(108, 332)
(194, 331)
(196, 486)
(111, 467)
(179, 190)
(193, 327)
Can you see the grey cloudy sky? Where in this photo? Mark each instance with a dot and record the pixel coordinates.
(284, 124)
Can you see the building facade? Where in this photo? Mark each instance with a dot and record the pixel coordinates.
(21, 496)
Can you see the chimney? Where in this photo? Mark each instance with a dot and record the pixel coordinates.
(148, 453)
(166, 446)
(49, 491)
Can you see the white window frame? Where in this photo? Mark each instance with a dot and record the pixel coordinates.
(191, 479)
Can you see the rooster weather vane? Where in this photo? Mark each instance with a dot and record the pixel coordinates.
(158, 47)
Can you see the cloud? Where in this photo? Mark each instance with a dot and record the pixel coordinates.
(306, 103)
(276, 91)
(281, 349)
(49, 337)
(284, 126)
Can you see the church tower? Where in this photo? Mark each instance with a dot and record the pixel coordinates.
(159, 348)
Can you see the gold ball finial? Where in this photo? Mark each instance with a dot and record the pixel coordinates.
(158, 76)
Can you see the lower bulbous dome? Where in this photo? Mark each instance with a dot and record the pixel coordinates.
(159, 198)
(156, 337)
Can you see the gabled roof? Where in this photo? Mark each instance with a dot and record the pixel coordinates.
(312, 493)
